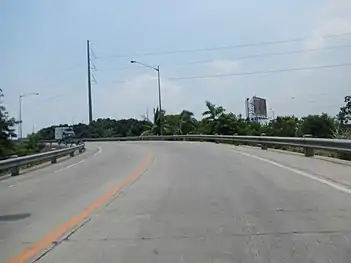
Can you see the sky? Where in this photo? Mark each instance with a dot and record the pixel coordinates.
(43, 49)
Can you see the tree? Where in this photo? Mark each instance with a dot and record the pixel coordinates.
(187, 122)
(251, 128)
(215, 120)
(183, 123)
(227, 124)
(321, 126)
(33, 144)
(82, 130)
(285, 126)
(6, 131)
(156, 127)
(203, 126)
(211, 115)
(102, 128)
(344, 115)
(171, 124)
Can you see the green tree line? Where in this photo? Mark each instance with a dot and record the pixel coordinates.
(215, 120)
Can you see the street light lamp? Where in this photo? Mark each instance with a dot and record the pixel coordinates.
(20, 109)
(159, 88)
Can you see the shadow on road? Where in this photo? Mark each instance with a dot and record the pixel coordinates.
(14, 217)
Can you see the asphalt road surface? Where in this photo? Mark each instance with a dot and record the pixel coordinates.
(178, 202)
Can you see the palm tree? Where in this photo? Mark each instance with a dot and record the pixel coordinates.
(212, 114)
(155, 129)
(187, 122)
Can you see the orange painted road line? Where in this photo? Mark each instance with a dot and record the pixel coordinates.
(53, 236)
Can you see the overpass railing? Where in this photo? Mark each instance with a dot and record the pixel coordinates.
(307, 142)
(14, 164)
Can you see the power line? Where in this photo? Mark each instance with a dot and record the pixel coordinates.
(53, 97)
(269, 54)
(262, 72)
(244, 57)
(263, 43)
(251, 72)
(116, 69)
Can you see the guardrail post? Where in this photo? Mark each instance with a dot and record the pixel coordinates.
(264, 146)
(54, 160)
(71, 154)
(14, 170)
(216, 141)
(309, 152)
(235, 142)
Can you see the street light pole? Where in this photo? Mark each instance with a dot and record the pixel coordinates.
(159, 99)
(273, 111)
(20, 110)
(159, 90)
(20, 118)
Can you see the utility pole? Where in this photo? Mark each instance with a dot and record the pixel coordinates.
(89, 84)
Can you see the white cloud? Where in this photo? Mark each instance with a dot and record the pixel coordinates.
(333, 18)
(225, 91)
(140, 91)
(132, 98)
(142, 86)
(333, 26)
(223, 66)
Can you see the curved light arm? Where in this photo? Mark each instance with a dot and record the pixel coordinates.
(145, 65)
(29, 94)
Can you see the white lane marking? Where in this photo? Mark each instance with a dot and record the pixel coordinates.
(98, 152)
(308, 175)
(82, 161)
(69, 166)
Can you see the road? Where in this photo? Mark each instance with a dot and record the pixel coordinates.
(178, 202)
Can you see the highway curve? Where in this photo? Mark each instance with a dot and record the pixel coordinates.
(178, 202)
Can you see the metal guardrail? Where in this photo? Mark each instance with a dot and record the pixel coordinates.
(306, 142)
(14, 164)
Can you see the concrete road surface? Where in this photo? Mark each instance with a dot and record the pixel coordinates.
(178, 202)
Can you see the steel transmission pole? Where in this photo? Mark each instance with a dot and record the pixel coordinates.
(89, 85)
